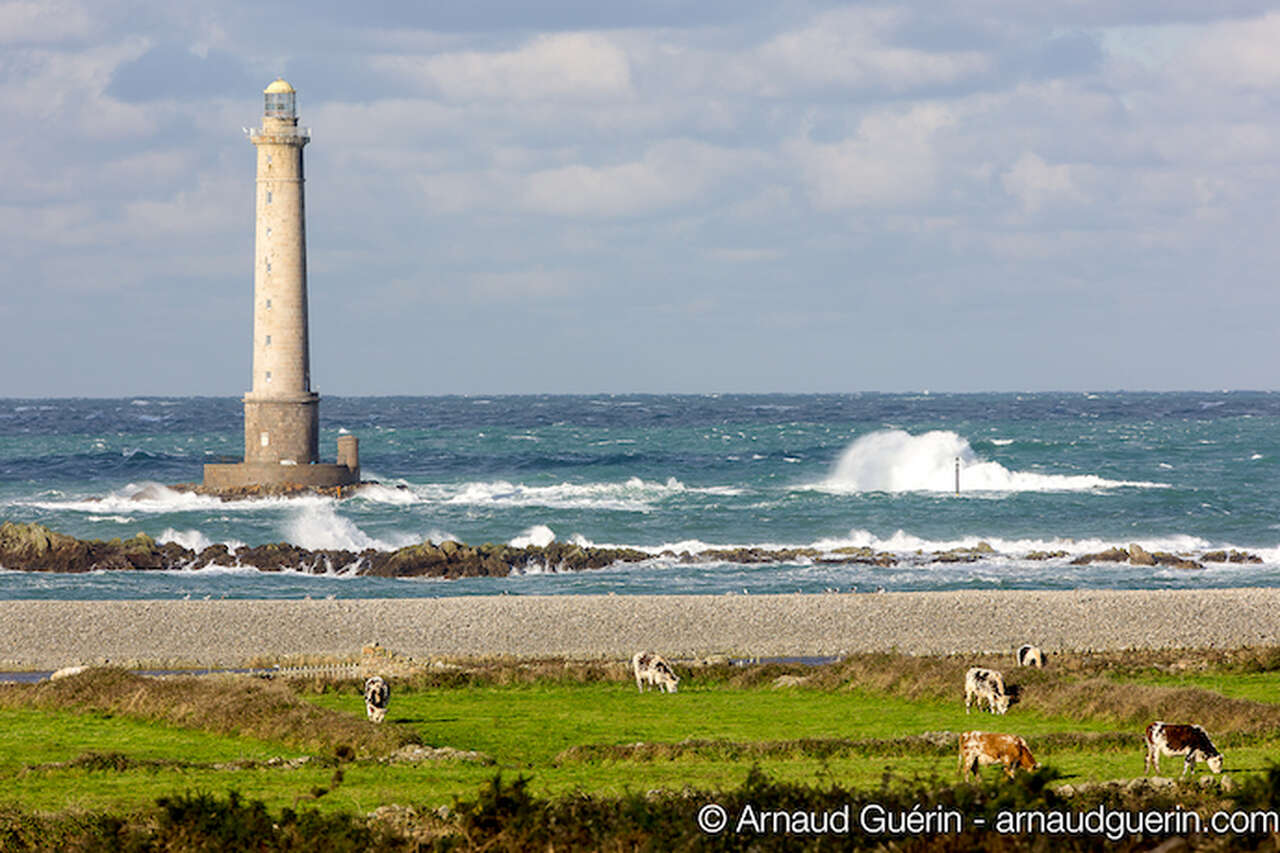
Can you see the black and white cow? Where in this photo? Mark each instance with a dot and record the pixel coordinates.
(650, 668)
(377, 696)
(1030, 655)
(985, 685)
(1177, 739)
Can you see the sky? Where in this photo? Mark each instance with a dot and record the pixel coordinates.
(569, 196)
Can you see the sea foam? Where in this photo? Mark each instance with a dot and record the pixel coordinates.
(895, 461)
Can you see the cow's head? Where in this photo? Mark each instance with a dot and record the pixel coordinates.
(1002, 703)
(1215, 762)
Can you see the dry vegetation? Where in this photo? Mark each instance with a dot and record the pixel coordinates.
(230, 705)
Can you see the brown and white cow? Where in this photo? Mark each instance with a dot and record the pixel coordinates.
(978, 748)
(1030, 655)
(985, 685)
(1177, 739)
(650, 668)
(377, 696)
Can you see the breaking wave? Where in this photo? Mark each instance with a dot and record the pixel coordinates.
(632, 495)
(896, 461)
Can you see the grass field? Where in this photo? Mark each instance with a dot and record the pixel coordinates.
(110, 741)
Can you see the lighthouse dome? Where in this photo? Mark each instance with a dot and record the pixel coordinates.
(281, 100)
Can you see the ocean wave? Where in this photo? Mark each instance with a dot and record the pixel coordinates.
(632, 495)
(155, 497)
(194, 540)
(539, 536)
(319, 527)
(893, 460)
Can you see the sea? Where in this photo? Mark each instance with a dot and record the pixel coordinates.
(1072, 472)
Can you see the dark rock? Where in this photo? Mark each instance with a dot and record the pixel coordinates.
(1111, 555)
(1140, 557)
(1045, 555)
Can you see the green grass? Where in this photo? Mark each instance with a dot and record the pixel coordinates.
(39, 737)
(532, 724)
(1254, 686)
(805, 736)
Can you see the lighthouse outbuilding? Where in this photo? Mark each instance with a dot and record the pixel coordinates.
(281, 411)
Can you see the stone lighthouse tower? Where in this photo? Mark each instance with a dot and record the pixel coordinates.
(281, 411)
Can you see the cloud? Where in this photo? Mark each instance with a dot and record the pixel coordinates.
(670, 173)
(854, 49)
(890, 161)
(1238, 54)
(550, 66)
(1035, 183)
(43, 22)
(170, 71)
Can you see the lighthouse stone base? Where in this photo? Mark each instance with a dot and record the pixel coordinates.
(256, 477)
(240, 475)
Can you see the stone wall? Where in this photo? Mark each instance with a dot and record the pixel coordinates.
(238, 475)
(291, 427)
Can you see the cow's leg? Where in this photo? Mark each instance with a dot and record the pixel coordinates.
(968, 697)
(1189, 766)
(1151, 760)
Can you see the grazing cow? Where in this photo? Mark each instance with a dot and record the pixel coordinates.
(377, 695)
(654, 669)
(1030, 655)
(991, 748)
(985, 685)
(1174, 739)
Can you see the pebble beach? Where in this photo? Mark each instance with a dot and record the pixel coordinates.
(42, 635)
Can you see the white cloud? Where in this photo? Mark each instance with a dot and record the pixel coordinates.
(42, 21)
(853, 48)
(670, 173)
(556, 65)
(891, 160)
(1035, 183)
(67, 88)
(531, 284)
(1238, 54)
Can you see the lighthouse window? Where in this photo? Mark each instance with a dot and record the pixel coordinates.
(265, 439)
(268, 196)
(268, 375)
(268, 230)
(268, 302)
(268, 266)
(268, 158)
(268, 340)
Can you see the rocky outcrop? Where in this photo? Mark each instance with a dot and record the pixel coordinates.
(1136, 555)
(279, 490)
(37, 548)
(33, 547)
(1230, 557)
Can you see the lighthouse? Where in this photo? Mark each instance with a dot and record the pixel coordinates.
(281, 410)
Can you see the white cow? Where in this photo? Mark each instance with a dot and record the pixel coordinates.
(377, 696)
(985, 685)
(653, 669)
(1031, 656)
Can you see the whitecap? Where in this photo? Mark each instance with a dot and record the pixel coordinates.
(539, 536)
(893, 460)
